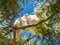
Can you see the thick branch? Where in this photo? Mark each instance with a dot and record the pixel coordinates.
(54, 20)
(9, 41)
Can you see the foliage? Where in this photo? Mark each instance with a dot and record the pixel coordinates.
(2, 33)
(10, 8)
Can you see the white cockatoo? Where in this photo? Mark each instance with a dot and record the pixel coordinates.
(26, 20)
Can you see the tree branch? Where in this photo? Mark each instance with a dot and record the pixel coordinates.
(9, 41)
(54, 20)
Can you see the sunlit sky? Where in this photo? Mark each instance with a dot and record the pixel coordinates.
(27, 8)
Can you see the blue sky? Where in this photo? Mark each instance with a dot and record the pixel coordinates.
(27, 8)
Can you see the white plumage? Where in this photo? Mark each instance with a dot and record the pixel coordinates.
(33, 17)
(23, 21)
